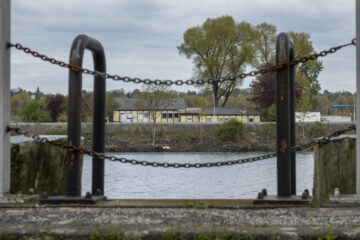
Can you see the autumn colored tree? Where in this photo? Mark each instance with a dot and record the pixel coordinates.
(263, 89)
(55, 105)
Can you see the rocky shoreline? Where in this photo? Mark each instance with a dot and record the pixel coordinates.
(188, 143)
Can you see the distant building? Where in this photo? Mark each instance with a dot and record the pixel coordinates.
(307, 116)
(335, 118)
(177, 112)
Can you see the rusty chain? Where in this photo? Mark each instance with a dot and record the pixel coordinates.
(323, 140)
(180, 82)
(173, 165)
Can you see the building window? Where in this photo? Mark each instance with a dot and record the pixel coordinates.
(208, 120)
(220, 120)
(176, 115)
(164, 115)
(170, 115)
(189, 119)
(251, 120)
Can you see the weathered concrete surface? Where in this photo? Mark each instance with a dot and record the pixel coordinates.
(37, 166)
(83, 222)
(335, 167)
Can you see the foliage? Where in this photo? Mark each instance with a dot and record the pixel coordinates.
(87, 107)
(265, 43)
(111, 105)
(19, 101)
(317, 130)
(263, 89)
(35, 111)
(307, 73)
(229, 131)
(197, 101)
(269, 114)
(154, 98)
(219, 47)
(55, 105)
(268, 131)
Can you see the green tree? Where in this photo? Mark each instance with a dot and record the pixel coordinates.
(35, 111)
(229, 131)
(220, 47)
(154, 98)
(307, 73)
(18, 102)
(111, 105)
(87, 107)
(265, 43)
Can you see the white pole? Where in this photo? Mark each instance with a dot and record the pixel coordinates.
(357, 4)
(4, 96)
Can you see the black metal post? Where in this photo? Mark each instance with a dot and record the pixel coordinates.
(79, 45)
(292, 119)
(284, 116)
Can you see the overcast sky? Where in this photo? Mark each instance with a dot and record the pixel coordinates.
(140, 36)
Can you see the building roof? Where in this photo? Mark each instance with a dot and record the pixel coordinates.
(129, 104)
(229, 111)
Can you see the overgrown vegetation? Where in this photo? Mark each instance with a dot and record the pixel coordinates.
(229, 131)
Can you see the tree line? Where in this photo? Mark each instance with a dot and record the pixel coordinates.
(40, 107)
(220, 47)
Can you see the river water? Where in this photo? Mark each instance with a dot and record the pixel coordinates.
(125, 181)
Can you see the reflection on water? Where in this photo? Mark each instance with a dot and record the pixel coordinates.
(236, 181)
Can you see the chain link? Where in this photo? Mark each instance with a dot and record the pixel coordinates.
(175, 165)
(180, 82)
(323, 140)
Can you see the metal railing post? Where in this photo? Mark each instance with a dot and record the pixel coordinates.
(292, 119)
(284, 116)
(4, 96)
(79, 45)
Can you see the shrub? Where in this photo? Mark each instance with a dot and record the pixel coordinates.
(268, 131)
(317, 130)
(229, 131)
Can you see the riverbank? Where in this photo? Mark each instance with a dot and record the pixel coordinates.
(183, 142)
(185, 137)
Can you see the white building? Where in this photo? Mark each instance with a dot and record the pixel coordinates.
(307, 116)
(335, 118)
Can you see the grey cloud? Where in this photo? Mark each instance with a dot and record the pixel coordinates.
(140, 36)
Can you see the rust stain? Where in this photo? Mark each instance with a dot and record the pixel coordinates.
(283, 145)
(73, 62)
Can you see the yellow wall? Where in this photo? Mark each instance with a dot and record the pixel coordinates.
(136, 116)
(141, 116)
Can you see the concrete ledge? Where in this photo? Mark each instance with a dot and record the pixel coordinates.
(114, 222)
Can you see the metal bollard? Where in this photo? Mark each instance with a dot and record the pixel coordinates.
(285, 118)
(79, 45)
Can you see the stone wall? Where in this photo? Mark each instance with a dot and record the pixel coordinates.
(111, 128)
